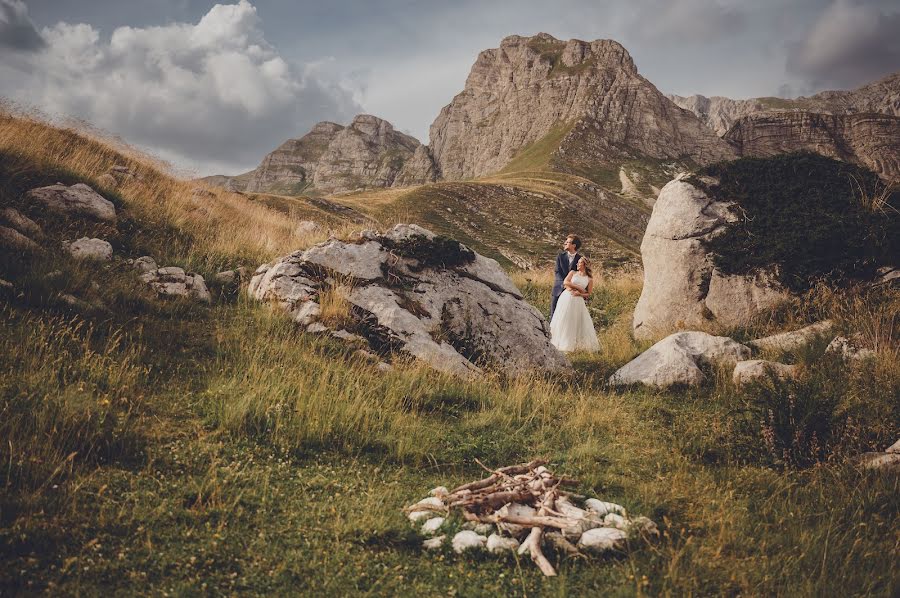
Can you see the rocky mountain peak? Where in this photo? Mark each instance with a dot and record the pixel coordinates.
(584, 98)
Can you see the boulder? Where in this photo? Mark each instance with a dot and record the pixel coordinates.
(175, 282)
(13, 239)
(754, 370)
(795, 339)
(682, 288)
(404, 296)
(77, 200)
(89, 249)
(144, 264)
(677, 359)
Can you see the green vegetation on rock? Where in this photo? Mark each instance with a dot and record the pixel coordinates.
(812, 217)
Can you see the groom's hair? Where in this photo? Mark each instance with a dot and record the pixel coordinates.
(576, 241)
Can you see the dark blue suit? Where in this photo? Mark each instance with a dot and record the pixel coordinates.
(560, 272)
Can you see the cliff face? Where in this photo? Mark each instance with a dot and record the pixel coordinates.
(720, 113)
(871, 140)
(332, 158)
(583, 100)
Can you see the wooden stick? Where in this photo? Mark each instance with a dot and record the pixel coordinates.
(534, 538)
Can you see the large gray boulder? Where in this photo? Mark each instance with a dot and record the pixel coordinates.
(677, 359)
(452, 317)
(682, 288)
(77, 200)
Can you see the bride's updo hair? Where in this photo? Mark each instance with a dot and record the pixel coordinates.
(587, 267)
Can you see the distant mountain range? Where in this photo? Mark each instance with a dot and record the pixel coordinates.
(539, 103)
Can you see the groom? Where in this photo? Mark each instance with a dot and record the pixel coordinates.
(566, 261)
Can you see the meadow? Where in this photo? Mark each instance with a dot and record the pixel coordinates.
(171, 448)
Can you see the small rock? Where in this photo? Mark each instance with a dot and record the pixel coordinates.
(434, 543)
(517, 510)
(603, 508)
(417, 516)
(439, 492)
(317, 328)
(21, 223)
(754, 370)
(307, 313)
(483, 528)
(894, 448)
(642, 526)
(145, 264)
(13, 239)
(497, 544)
(348, 336)
(849, 350)
(602, 539)
(468, 540)
(174, 281)
(796, 339)
(881, 461)
(89, 249)
(615, 520)
(77, 200)
(384, 367)
(432, 525)
(6, 285)
(226, 277)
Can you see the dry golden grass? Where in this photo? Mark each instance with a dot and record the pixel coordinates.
(222, 223)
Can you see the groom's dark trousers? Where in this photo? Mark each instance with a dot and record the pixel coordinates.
(559, 275)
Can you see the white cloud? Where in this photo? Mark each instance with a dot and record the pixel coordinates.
(850, 44)
(209, 95)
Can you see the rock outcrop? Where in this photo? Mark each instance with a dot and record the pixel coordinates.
(584, 100)
(332, 158)
(720, 113)
(682, 288)
(423, 295)
(677, 360)
(870, 140)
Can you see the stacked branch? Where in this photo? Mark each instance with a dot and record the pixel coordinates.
(526, 500)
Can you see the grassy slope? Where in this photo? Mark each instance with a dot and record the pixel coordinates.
(175, 448)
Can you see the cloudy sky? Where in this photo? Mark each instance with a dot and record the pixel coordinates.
(213, 87)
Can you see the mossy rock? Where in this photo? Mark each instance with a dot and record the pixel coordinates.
(812, 217)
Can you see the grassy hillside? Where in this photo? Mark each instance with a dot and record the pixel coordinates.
(167, 447)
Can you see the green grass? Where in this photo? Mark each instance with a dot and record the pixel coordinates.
(165, 447)
(538, 155)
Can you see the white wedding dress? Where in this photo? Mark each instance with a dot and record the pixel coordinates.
(571, 328)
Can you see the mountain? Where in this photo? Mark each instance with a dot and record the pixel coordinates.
(575, 106)
(861, 126)
(332, 158)
(720, 113)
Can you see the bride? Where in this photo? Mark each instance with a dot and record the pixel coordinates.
(571, 328)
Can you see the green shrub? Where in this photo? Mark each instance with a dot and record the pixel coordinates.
(811, 216)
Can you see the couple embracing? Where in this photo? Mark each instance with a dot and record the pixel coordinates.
(571, 327)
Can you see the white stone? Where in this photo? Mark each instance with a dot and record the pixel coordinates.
(468, 540)
(602, 539)
(89, 249)
(174, 281)
(497, 544)
(77, 200)
(434, 543)
(584, 520)
(754, 370)
(615, 520)
(317, 328)
(795, 339)
(677, 359)
(431, 526)
(417, 516)
(894, 448)
(681, 287)
(602, 508)
(439, 492)
(307, 313)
